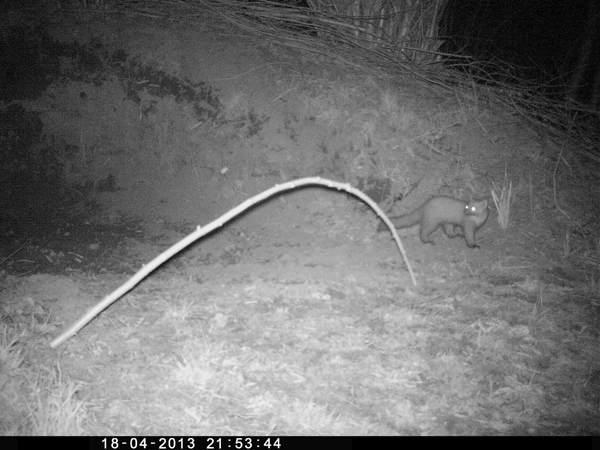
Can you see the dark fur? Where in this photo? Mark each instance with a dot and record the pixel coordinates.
(449, 213)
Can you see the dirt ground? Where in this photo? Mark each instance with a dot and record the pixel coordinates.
(121, 134)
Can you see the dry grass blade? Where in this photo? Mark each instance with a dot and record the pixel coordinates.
(503, 203)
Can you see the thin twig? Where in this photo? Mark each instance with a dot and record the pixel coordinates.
(12, 254)
(202, 231)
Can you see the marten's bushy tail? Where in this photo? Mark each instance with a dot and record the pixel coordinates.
(408, 220)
